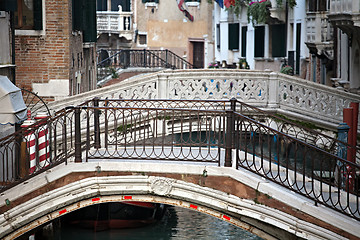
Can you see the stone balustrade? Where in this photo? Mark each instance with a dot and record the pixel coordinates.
(287, 95)
(318, 28)
(115, 22)
(344, 6)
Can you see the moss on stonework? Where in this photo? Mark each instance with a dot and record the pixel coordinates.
(300, 123)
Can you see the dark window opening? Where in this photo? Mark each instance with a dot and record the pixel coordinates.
(233, 36)
(101, 5)
(278, 39)
(259, 41)
(125, 4)
(243, 41)
(142, 39)
(218, 36)
(318, 5)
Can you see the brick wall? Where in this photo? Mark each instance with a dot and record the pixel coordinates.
(57, 55)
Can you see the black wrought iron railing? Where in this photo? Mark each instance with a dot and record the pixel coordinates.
(209, 132)
(125, 58)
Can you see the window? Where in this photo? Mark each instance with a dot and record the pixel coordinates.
(218, 36)
(243, 41)
(317, 6)
(259, 41)
(125, 4)
(142, 39)
(28, 15)
(233, 36)
(278, 40)
(101, 5)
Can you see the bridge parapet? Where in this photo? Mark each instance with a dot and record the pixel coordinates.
(276, 92)
(189, 132)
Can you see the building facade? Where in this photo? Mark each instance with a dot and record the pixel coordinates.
(55, 52)
(344, 16)
(266, 45)
(317, 38)
(158, 25)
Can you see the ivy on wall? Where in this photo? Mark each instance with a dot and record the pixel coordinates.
(257, 11)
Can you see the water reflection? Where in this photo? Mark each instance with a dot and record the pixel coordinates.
(178, 223)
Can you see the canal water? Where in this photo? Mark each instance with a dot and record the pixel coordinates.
(177, 224)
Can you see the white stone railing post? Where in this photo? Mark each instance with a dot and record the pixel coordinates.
(162, 86)
(273, 100)
(120, 19)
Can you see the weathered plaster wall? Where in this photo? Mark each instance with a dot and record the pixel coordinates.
(167, 27)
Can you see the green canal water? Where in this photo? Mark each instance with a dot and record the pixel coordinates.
(178, 223)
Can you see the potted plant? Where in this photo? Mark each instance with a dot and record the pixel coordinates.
(286, 69)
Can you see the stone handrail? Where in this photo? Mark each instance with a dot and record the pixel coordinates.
(271, 91)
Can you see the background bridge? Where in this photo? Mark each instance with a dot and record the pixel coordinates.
(202, 134)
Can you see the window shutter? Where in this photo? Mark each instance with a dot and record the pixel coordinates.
(259, 41)
(156, 1)
(144, 1)
(233, 36)
(38, 15)
(243, 41)
(218, 36)
(77, 14)
(278, 40)
(89, 20)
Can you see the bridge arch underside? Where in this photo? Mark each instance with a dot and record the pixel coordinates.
(218, 195)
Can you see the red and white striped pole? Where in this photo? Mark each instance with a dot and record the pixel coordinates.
(30, 140)
(43, 141)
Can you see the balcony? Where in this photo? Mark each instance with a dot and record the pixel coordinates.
(345, 14)
(319, 34)
(277, 12)
(112, 22)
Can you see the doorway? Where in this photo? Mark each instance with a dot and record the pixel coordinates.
(197, 53)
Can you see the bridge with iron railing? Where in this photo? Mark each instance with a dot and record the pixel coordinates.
(213, 136)
(133, 58)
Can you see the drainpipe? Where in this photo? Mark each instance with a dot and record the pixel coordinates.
(12, 27)
(350, 116)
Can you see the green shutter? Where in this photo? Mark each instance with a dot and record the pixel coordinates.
(233, 36)
(278, 40)
(38, 15)
(259, 41)
(89, 20)
(156, 1)
(144, 1)
(243, 41)
(77, 14)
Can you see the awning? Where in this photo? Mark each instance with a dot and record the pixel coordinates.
(12, 106)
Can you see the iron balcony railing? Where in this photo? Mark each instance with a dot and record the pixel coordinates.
(222, 133)
(125, 58)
